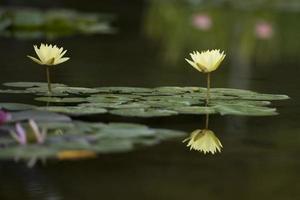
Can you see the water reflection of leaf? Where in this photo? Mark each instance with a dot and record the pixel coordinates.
(77, 139)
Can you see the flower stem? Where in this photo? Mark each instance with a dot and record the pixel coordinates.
(208, 89)
(48, 80)
(206, 121)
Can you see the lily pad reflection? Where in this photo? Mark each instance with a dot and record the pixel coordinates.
(77, 138)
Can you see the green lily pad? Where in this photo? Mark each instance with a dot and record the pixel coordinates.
(124, 90)
(73, 110)
(240, 102)
(245, 110)
(61, 100)
(101, 98)
(9, 91)
(141, 112)
(195, 110)
(16, 106)
(62, 90)
(178, 90)
(39, 116)
(32, 84)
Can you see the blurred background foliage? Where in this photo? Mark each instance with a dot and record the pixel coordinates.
(256, 30)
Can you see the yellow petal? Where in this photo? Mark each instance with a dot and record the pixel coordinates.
(35, 60)
(62, 60)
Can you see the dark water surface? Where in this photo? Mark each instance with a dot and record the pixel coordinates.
(260, 158)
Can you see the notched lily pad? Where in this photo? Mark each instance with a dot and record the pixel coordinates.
(31, 84)
(74, 110)
(39, 116)
(195, 110)
(61, 100)
(141, 112)
(16, 106)
(245, 110)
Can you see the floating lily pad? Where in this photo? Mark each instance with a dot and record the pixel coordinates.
(62, 90)
(73, 110)
(16, 106)
(61, 100)
(178, 90)
(141, 112)
(9, 91)
(153, 102)
(124, 90)
(39, 116)
(101, 98)
(31, 84)
(245, 110)
(196, 110)
(240, 102)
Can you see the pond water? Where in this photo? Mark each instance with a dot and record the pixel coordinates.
(260, 155)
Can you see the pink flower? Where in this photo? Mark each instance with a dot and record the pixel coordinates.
(264, 30)
(19, 134)
(4, 117)
(202, 22)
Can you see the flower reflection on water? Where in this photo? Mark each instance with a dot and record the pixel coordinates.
(204, 140)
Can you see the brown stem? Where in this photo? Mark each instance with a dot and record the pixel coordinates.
(208, 89)
(206, 121)
(49, 80)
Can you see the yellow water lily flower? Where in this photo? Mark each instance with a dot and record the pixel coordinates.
(204, 140)
(49, 55)
(206, 61)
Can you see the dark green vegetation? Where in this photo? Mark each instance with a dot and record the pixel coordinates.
(34, 23)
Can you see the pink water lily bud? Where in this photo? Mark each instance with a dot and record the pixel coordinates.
(202, 22)
(264, 30)
(19, 134)
(4, 117)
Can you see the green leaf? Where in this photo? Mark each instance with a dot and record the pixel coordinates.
(16, 106)
(73, 110)
(141, 112)
(245, 110)
(61, 100)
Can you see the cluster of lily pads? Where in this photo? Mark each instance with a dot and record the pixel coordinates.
(141, 102)
(35, 23)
